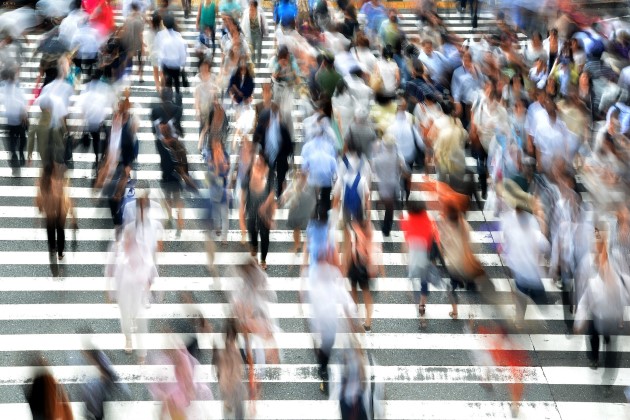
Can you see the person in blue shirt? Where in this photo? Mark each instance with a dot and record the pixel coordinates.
(375, 14)
(285, 12)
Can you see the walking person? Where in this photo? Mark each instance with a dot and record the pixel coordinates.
(602, 301)
(389, 166)
(172, 53)
(152, 49)
(462, 265)
(524, 244)
(229, 370)
(420, 240)
(52, 200)
(175, 176)
(257, 206)
(276, 142)
(133, 271)
(254, 27)
(330, 303)
(206, 20)
(301, 201)
(47, 399)
(16, 115)
(133, 39)
(94, 102)
(361, 267)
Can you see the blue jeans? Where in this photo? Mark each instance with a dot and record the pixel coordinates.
(405, 76)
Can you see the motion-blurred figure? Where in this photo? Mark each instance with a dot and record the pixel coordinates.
(133, 271)
(46, 398)
(53, 200)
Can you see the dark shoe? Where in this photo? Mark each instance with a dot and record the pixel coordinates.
(367, 328)
(60, 256)
(593, 365)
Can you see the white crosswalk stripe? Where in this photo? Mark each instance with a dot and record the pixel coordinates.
(427, 375)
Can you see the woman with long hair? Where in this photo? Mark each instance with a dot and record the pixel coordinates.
(53, 201)
(47, 399)
(257, 207)
(241, 85)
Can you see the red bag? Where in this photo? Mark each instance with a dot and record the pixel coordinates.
(37, 90)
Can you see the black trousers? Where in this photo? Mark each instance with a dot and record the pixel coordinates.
(611, 358)
(86, 65)
(172, 77)
(388, 220)
(97, 142)
(354, 411)
(17, 143)
(56, 226)
(255, 226)
(481, 157)
(281, 175)
(323, 198)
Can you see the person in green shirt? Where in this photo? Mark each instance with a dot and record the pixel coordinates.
(327, 77)
(206, 18)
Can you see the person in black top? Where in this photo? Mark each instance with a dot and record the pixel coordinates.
(167, 111)
(275, 141)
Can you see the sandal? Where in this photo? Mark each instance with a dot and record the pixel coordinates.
(263, 265)
(453, 315)
(421, 309)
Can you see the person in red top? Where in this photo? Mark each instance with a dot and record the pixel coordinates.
(420, 237)
(101, 15)
(504, 353)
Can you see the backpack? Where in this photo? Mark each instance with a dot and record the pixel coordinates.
(352, 202)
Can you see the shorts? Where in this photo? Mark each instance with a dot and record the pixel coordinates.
(359, 276)
(172, 190)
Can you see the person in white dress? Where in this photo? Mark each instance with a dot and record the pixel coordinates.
(133, 270)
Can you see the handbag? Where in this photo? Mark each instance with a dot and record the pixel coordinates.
(376, 80)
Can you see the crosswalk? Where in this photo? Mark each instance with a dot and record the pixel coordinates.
(427, 374)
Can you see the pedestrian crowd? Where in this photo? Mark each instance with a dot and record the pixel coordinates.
(530, 121)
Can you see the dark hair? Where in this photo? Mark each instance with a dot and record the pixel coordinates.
(254, 3)
(416, 207)
(518, 76)
(388, 52)
(418, 67)
(169, 21)
(135, 6)
(156, 21)
(283, 52)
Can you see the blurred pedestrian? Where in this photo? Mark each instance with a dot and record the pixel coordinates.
(420, 241)
(229, 369)
(389, 167)
(16, 115)
(257, 207)
(47, 399)
(300, 199)
(134, 272)
(603, 302)
(54, 202)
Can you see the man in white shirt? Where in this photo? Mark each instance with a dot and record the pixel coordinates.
(172, 53)
(552, 139)
(86, 41)
(523, 246)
